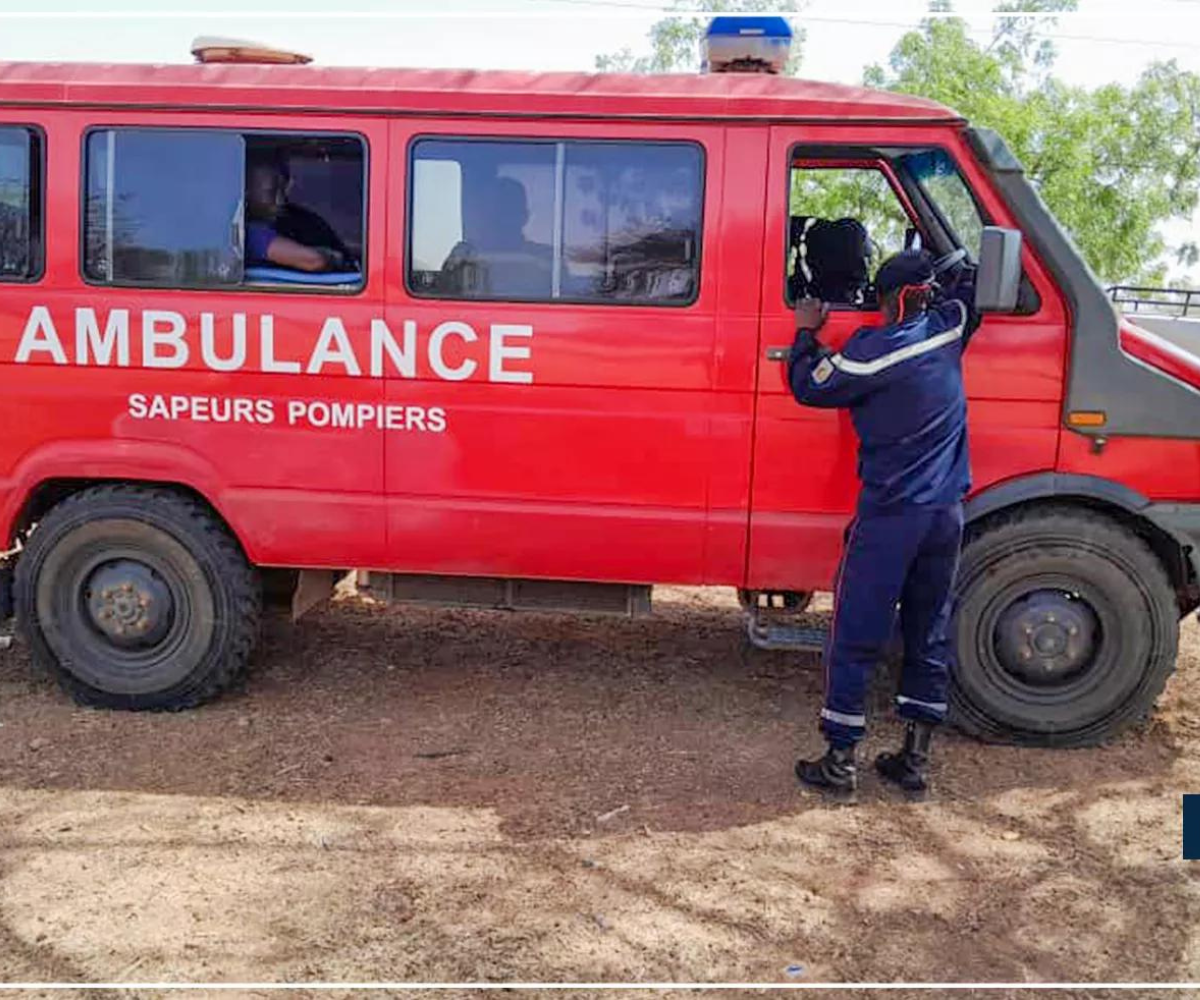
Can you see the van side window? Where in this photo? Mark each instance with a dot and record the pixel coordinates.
(20, 204)
(483, 219)
(844, 221)
(194, 208)
(164, 207)
(955, 210)
(945, 188)
(547, 221)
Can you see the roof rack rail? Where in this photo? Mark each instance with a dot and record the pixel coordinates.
(1171, 301)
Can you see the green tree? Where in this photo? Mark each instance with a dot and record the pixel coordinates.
(1113, 164)
(675, 40)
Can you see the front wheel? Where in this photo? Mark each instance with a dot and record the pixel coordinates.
(1066, 629)
(137, 598)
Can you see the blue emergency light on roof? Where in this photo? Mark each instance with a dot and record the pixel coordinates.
(746, 45)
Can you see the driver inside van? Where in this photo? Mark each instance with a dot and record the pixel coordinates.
(266, 244)
(495, 258)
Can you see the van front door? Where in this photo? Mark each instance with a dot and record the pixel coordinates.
(892, 187)
(824, 205)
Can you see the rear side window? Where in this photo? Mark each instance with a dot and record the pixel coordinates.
(615, 222)
(20, 204)
(195, 208)
(164, 208)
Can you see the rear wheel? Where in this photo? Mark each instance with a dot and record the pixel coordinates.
(137, 598)
(1066, 629)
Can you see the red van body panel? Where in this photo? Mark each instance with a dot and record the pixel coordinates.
(294, 495)
(434, 92)
(641, 444)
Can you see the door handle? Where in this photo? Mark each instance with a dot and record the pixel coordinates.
(778, 353)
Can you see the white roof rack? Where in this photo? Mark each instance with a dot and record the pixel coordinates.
(212, 49)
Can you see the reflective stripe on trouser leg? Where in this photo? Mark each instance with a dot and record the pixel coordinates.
(928, 711)
(926, 605)
(840, 727)
(842, 719)
(874, 567)
(847, 542)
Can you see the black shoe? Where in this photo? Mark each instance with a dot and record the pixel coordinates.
(835, 773)
(909, 767)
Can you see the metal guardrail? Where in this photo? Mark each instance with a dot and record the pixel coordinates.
(1168, 301)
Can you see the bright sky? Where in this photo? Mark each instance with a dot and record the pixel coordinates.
(1102, 42)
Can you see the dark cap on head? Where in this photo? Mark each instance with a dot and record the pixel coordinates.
(909, 267)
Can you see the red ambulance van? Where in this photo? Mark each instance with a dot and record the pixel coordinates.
(507, 339)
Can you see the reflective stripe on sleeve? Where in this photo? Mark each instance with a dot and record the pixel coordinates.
(896, 357)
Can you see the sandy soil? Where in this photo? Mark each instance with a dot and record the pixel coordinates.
(421, 795)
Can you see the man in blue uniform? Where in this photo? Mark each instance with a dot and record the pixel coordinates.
(902, 383)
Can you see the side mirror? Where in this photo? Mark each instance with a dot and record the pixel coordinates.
(998, 279)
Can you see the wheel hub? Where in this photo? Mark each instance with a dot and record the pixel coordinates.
(129, 603)
(1046, 636)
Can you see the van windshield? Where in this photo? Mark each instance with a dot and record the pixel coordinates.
(946, 190)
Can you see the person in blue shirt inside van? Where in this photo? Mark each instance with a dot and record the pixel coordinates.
(902, 383)
(266, 244)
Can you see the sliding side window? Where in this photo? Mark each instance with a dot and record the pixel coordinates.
(542, 221)
(191, 208)
(20, 204)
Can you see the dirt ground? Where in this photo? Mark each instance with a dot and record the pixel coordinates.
(408, 794)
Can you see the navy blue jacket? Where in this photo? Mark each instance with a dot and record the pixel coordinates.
(903, 386)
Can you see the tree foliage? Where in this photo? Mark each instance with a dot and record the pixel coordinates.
(1114, 164)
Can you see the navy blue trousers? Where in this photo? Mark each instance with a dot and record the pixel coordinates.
(907, 556)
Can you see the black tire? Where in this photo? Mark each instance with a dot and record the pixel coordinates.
(1066, 629)
(137, 598)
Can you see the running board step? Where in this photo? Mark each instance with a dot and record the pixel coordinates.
(766, 634)
(630, 600)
